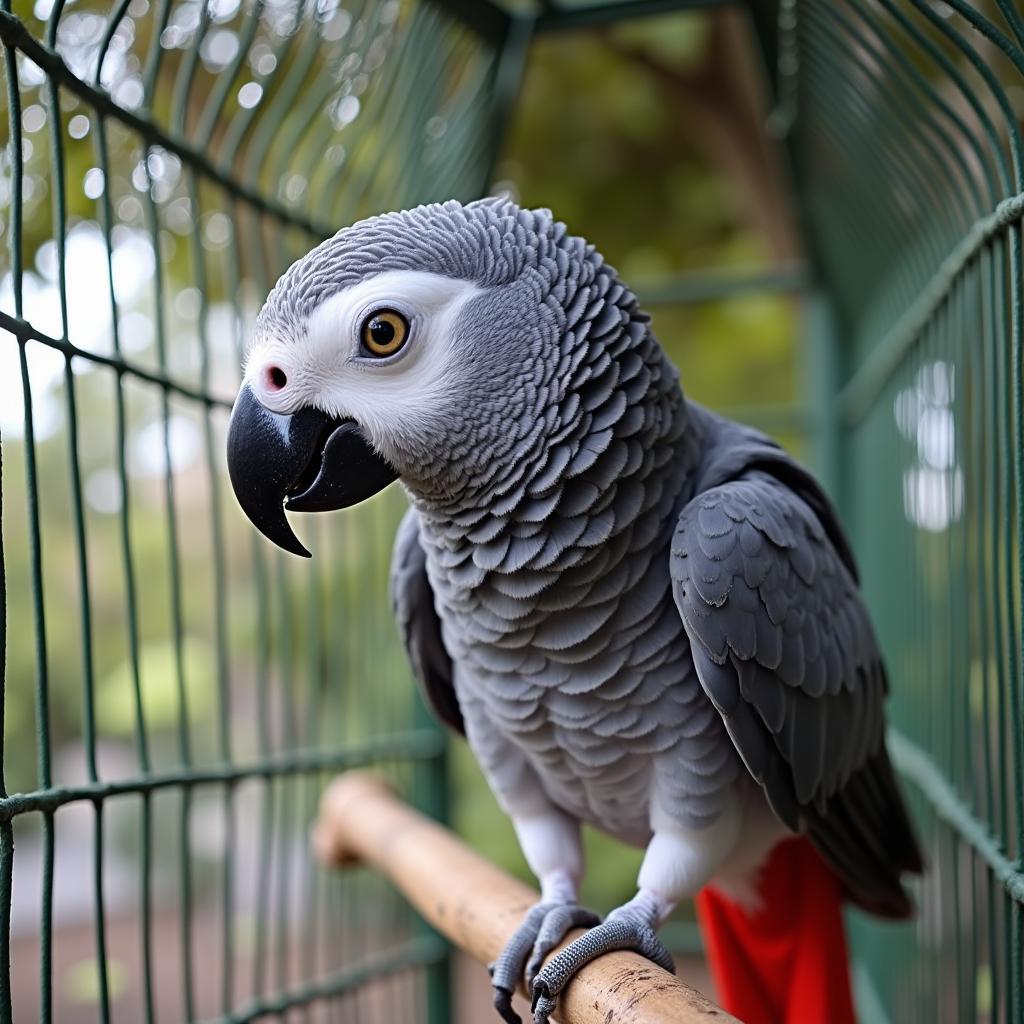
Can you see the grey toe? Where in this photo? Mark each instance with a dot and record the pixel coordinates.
(618, 932)
(544, 926)
(553, 929)
(508, 968)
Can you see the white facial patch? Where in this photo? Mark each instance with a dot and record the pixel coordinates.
(328, 367)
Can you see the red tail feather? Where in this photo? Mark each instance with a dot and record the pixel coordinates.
(787, 962)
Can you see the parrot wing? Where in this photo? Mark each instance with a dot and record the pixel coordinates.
(413, 603)
(784, 648)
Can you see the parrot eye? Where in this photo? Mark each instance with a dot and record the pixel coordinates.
(384, 332)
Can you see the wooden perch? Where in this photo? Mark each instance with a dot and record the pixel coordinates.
(478, 906)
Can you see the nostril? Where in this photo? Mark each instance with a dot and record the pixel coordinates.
(274, 378)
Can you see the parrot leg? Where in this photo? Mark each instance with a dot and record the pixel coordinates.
(550, 841)
(631, 926)
(678, 862)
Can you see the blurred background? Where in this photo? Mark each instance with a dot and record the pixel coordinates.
(177, 693)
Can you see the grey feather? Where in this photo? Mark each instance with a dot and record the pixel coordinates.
(413, 603)
(785, 650)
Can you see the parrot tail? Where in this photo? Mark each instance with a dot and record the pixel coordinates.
(786, 962)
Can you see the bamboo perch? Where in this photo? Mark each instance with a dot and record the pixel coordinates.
(478, 906)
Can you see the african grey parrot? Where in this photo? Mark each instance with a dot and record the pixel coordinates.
(641, 615)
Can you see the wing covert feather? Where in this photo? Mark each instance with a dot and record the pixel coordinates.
(412, 601)
(784, 648)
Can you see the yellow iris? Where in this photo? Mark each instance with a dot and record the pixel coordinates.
(384, 332)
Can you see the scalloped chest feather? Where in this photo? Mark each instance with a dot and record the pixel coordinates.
(567, 642)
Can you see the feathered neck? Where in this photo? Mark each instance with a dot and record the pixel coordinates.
(590, 470)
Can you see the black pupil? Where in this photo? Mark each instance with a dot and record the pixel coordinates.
(382, 332)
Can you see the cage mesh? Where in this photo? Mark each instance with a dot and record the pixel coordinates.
(906, 137)
(193, 688)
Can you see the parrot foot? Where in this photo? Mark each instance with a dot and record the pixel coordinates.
(626, 928)
(545, 925)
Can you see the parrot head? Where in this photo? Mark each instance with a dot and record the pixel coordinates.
(429, 345)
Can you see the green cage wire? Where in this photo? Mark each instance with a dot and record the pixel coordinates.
(164, 161)
(906, 135)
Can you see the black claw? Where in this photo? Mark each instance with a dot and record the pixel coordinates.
(540, 988)
(503, 1004)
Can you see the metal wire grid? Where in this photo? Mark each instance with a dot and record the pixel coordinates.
(907, 143)
(221, 141)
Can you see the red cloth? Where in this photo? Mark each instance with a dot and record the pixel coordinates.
(787, 963)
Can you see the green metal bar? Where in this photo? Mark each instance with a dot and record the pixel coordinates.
(285, 659)
(430, 794)
(944, 65)
(233, 284)
(485, 17)
(981, 67)
(241, 124)
(417, 952)
(508, 81)
(267, 801)
(1013, 17)
(891, 136)
(965, 624)
(42, 687)
(991, 32)
(860, 391)
(219, 573)
(113, 23)
(870, 230)
(184, 741)
(598, 14)
(6, 830)
(920, 98)
(313, 890)
(982, 472)
(154, 58)
(16, 35)
(24, 331)
(216, 101)
(59, 213)
(1014, 567)
(995, 371)
(713, 286)
(308, 95)
(186, 77)
(916, 765)
(383, 116)
(414, 745)
(131, 603)
(900, 144)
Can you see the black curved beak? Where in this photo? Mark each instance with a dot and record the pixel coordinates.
(305, 462)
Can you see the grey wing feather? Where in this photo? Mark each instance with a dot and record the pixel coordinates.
(413, 603)
(784, 648)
